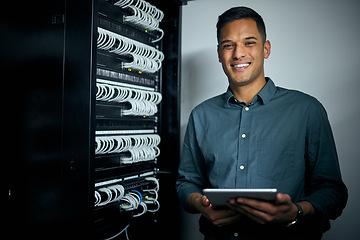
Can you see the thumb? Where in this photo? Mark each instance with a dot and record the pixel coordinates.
(282, 199)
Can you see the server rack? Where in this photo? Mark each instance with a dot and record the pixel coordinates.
(70, 115)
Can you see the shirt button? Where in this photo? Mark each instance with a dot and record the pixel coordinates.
(243, 135)
(242, 167)
(247, 108)
(236, 234)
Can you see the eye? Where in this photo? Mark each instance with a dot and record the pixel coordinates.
(228, 46)
(252, 43)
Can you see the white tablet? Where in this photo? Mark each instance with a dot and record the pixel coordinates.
(220, 197)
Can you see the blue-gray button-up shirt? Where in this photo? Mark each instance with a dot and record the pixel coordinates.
(282, 140)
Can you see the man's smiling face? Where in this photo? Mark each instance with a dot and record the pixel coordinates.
(241, 51)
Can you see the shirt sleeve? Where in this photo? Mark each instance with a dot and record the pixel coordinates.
(192, 171)
(325, 189)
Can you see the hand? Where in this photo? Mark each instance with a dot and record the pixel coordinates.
(222, 217)
(283, 210)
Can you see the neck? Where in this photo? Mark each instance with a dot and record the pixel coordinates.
(246, 92)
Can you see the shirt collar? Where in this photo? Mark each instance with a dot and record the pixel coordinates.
(265, 94)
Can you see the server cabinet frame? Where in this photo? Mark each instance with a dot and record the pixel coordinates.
(49, 52)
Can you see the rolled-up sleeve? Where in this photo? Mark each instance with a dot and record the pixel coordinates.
(191, 173)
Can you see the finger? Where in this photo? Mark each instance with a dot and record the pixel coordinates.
(227, 220)
(205, 201)
(254, 214)
(255, 204)
(219, 216)
(265, 213)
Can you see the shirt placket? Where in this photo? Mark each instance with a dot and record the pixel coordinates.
(243, 147)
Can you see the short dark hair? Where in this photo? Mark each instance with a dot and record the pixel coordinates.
(237, 13)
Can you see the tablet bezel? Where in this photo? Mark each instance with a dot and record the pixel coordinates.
(219, 197)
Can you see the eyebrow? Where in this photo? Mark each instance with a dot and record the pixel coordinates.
(247, 38)
(225, 41)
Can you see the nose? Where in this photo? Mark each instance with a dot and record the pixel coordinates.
(239, 52)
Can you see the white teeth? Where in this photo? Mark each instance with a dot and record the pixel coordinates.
(242, 65)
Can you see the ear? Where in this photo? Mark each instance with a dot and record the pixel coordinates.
(267, 49)
(218, 51)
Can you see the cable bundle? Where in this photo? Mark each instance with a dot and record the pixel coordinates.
(132, 199)
(141, 154)
(145, 58)
(113, 193)
(140, 147)
(146, 16)
(152, 195)
(123, 143)
(143, 103)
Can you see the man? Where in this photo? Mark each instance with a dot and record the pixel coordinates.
(258, 135)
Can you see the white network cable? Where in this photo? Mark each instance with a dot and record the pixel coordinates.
(142, 5)
(132, 200)
(140, 147)
(156, 181)
(114, 193)
(143, 103)
(141, 154)
(146, 16)
(140, 108)
(152, 200)
(145, 58)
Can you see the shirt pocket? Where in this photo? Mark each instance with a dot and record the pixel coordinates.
(276, 159)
